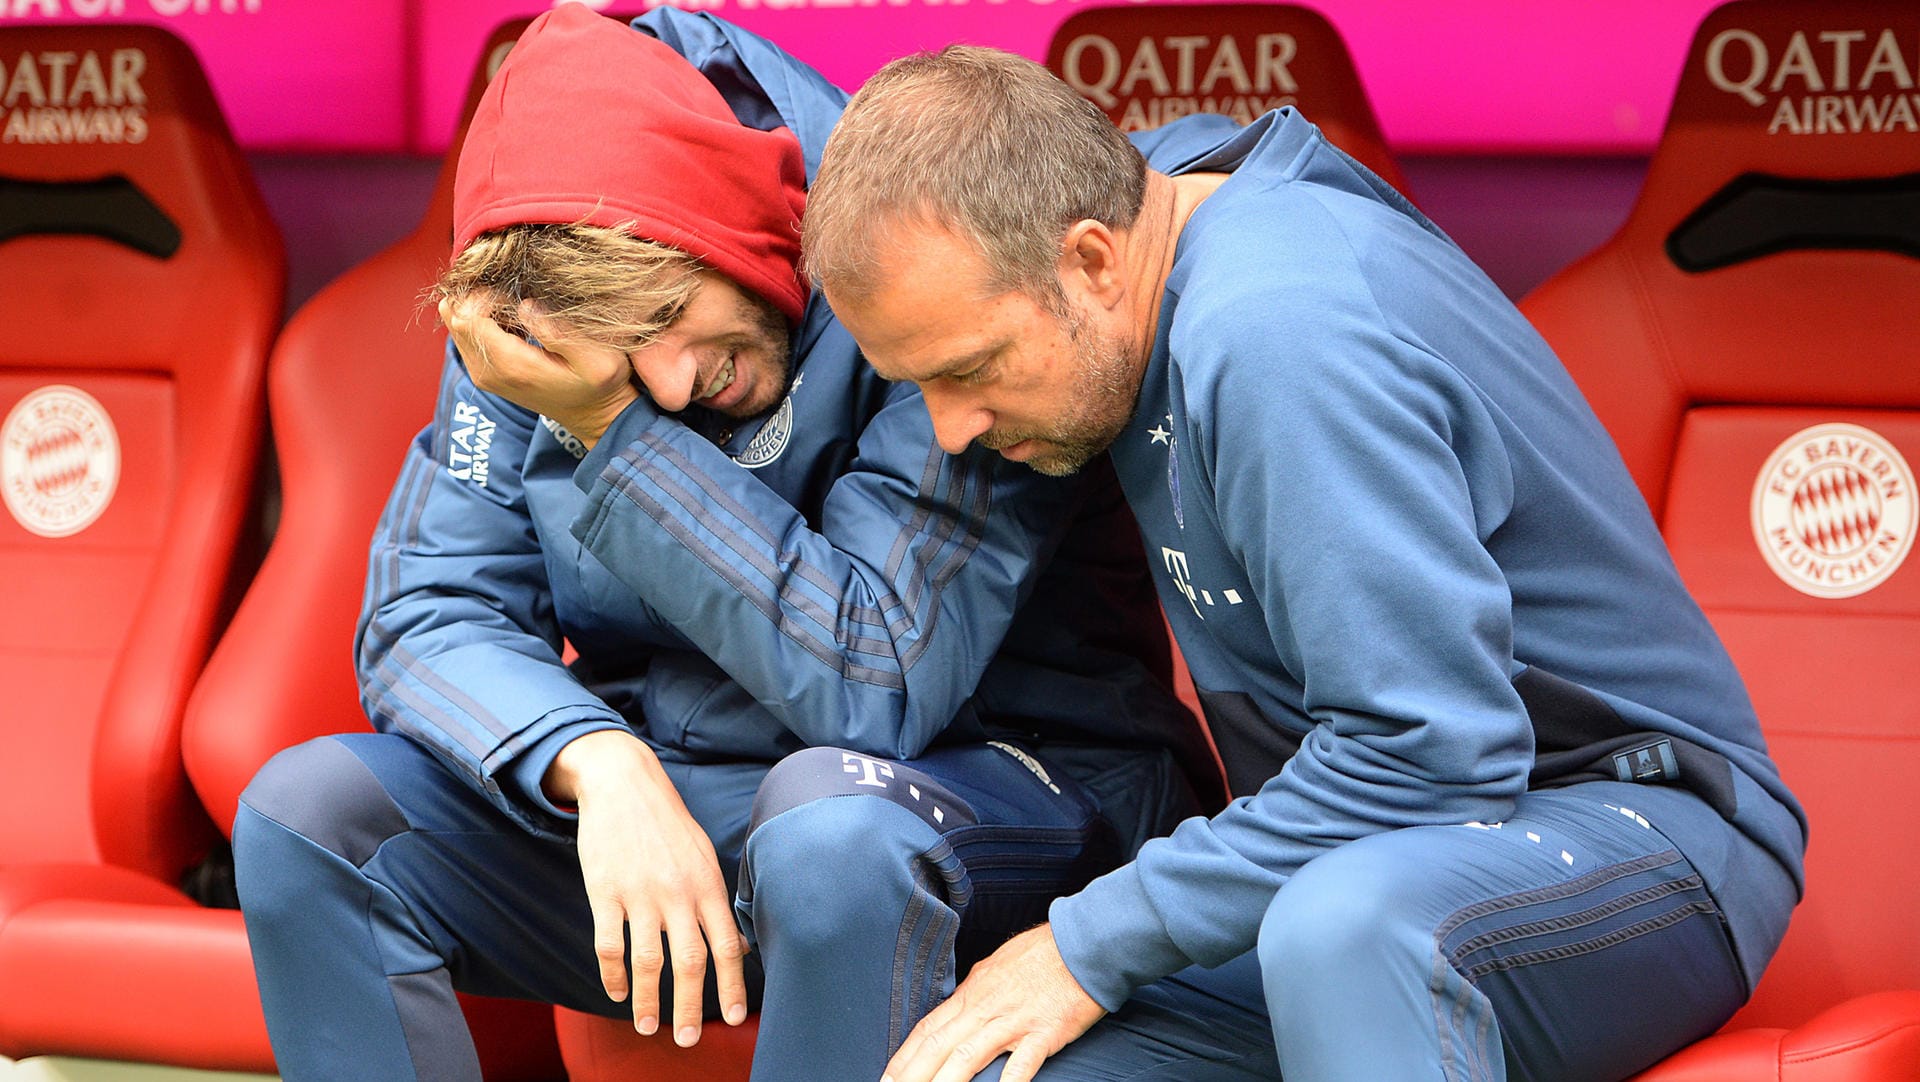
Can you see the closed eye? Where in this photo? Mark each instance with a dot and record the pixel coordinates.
(978, 374)
(968, 369)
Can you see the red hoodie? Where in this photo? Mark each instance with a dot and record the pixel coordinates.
(591, 121)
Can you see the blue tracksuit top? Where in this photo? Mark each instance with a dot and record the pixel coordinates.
(738, 590)
(1405, 563)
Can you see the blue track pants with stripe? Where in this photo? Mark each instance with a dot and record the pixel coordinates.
(375, 882)
(1572, 943)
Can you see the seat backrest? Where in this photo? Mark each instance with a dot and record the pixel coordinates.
(143, 281)
(353, 377)
(1146, 66)
(1748, 338)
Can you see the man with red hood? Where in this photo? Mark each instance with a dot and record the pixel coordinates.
(652, 446)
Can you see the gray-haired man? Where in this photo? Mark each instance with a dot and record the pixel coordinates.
(1505, 810)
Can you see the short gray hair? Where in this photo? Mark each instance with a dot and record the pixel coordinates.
(982, 142)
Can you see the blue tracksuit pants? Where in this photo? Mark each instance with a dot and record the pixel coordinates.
(1573, 942)
(375, 882)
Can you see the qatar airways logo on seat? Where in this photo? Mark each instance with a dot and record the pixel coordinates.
(1833, 510)
(1822, 82)
(71, 96)
(1164, 78)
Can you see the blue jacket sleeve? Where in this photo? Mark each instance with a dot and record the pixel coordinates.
(869, 631)
(457, 645)
(1357, 480)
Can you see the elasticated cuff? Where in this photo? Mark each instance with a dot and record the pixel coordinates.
(529, 769)
(1113, 939)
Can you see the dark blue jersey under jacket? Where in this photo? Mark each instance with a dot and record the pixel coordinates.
(824, 575)
(1406, 565)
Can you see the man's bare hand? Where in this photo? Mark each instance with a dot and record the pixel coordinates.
(580, 385)
(1022, 1000)
(649, 870)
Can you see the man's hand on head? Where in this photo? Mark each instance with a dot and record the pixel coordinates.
(1021, 1000)
(582, 386)
(649, 871)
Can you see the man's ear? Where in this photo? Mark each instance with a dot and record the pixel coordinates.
(1090, 263)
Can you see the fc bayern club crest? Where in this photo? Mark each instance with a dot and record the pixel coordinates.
(1833, 510)
(771, 440)
(59, 461)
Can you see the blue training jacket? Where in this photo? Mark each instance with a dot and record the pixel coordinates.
(824, 575)
(1405, 563)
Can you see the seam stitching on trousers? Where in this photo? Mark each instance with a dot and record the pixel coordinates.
(1558, 891)
(1574, 950)
(1574, 920)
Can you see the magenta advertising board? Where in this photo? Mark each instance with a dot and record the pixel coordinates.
(290, 74)
(1487, 75)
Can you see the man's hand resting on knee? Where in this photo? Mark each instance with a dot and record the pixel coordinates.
(1021, 1000)
(651, 869)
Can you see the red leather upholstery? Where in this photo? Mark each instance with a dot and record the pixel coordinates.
(114, 965)
(105, 628)
(131, 380)
(1648, 340)
(605, 1048)
(1147, 65)
(1720, 386)
(351, 380)
(1868, 1039)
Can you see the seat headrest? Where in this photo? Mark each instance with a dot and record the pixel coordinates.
(1146, 66)
(1821, 95)
(1775, 246)
(110, 130)
(132, 222)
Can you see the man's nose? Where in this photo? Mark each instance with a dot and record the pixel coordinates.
(956, 422)
(669, 371)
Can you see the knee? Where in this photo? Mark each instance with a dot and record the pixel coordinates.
(312, 800)
(825, 870)
(812, 811)
(835, 842)
(1337, 914)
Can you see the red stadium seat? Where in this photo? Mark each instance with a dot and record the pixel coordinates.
(600, 1049)
(1748, 339)
(1148, 65)
(352, 378)
(144, 281)
(350, 381)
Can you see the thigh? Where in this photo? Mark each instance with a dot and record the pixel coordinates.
(1589, 942)
(1142, 793)
(1601, 983)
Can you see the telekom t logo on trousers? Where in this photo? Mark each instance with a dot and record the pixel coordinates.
(869, 771)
